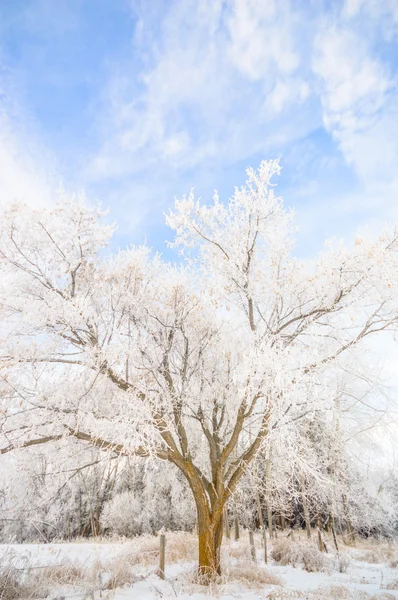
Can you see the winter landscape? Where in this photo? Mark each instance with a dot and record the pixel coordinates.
(198, 388)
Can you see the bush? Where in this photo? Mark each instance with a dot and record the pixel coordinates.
(343, 563)
(121, 515)
(394, 563)
(393, 585)
(306, 554)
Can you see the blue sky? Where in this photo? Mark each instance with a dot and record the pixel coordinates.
(138, 101)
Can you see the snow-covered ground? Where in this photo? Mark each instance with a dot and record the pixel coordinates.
(126, 570)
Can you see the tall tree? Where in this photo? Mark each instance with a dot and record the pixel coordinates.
(179, 362)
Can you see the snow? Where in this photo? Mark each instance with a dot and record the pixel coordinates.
(297, 583)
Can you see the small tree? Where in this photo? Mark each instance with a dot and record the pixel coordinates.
(197, 363)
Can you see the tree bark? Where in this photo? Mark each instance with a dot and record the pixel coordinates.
(334, 535)
(260, 518)
(305, 507)
(236, 526)
(269, 511)
(351, 533)
(320, 540)
(226, 523)
(210, 539)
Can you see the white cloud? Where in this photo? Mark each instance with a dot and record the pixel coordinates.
(359, 99)
(286, 92)
(263, 37)
(217, 68)
(354, 84)
(24, 177)
(210, 83)
(382, 12)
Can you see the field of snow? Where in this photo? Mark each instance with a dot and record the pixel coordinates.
(126, 570)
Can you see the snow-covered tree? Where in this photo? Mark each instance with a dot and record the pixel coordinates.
(200, 363)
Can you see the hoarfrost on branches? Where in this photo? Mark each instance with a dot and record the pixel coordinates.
(209, 363)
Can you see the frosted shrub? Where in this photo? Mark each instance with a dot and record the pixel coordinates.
(343, 563)
(373, 557)
(122, 515)
(393, 585)
(306, 554)
(394, 563)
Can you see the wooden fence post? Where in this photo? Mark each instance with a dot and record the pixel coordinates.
(162, 555)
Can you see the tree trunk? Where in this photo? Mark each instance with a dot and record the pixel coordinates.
(269, 511)
(226, 523)
(210, 538)
(210, 520)
(320, 540)
(236, 526)
(260, 518)
(334, 535)
(305, 507)
(350, 530)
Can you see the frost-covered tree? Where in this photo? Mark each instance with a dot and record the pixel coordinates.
(197, 363)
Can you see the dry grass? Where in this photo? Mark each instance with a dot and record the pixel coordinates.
(393, 585)
(37, 582)
(238, 550)
(238, 570)
(31, 582)
(376, 551)
(10, 584)
(340, 592)
(115, 573)
(306, 554)
(332, 592)
(373, 557)
(144, 551)
(247, 575)
(287, 595)
(180, 547)
(251, 575)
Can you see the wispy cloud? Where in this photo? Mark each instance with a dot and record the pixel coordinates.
(216, 74)
(359, 97)
(171, 94)
(26, 173)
